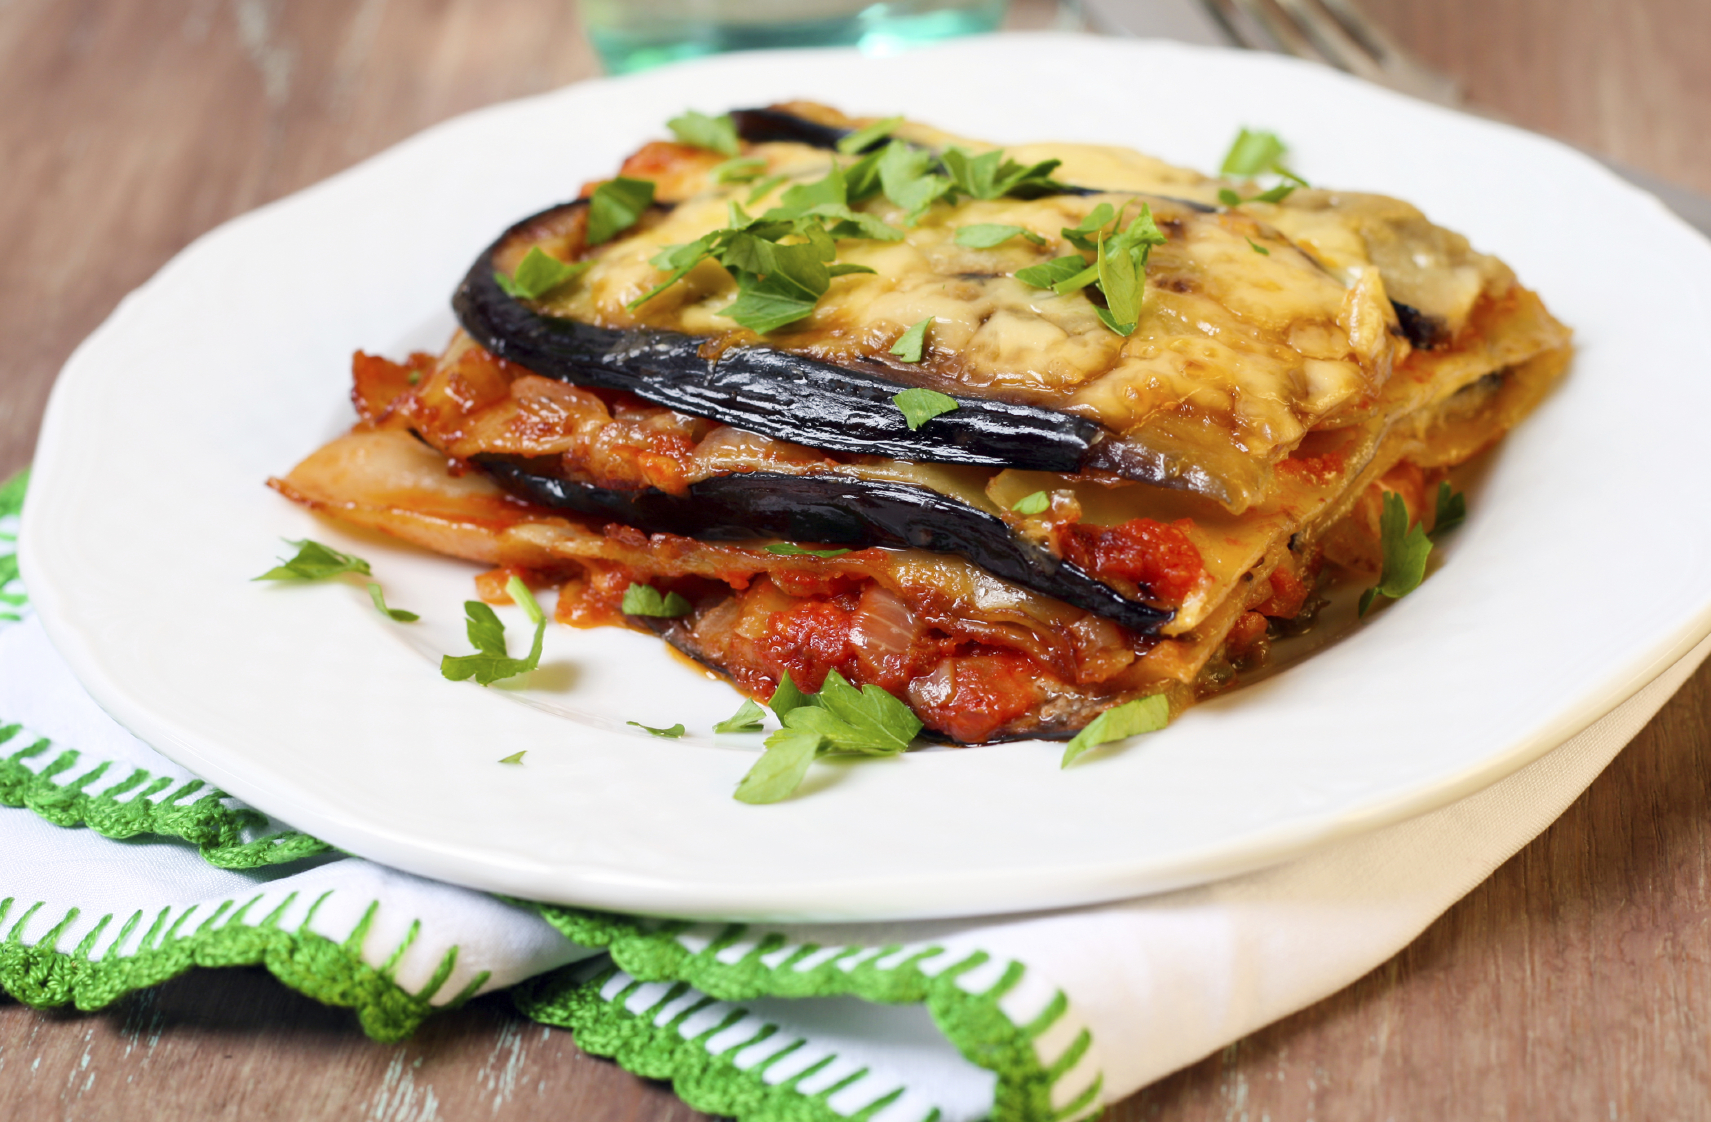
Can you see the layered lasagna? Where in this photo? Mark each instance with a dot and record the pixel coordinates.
(1117, 490)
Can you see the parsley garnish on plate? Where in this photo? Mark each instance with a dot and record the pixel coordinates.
(749, 717)
(838, 719)
(615, 206)
(1451, 510)
(398, 614)
(492, 661)
(701, 131)
(911, 345)
(673, 732)
(791, 549)
(1406, 548)
(1147, 714)
(315, 561)
(1035, 503)
(514, 758)
(645, 600)
(920, 406)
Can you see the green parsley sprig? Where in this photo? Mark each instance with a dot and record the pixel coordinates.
(779, 281)
(398, 614)
(698, 130)
(912, 344)
(671, 733)
(615, 206)
(492, 661)
(645, 600)
(749, 717)
(1147, 714)
(315, 561)
(1255, 153)
(921, 405)
(1119, 264)
(1035, 503)
(1450, 510)
(1406, 548)
(839, 719)
(782, 260)
(538, 274)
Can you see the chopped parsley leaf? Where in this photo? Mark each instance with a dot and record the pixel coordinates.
(838, 719)
(986, 235)
(1451, 510)
(1097, 219)
(738, 170)
(1053, 272)
(1254, 151)
(1258, 248)
(1146, 714)
(1406, 548)
(749, 717)
(1258, 153)
(673, 732)
(492, 661)
(514, 758)
(920, 406)
(315, 561)
(538, 274)
(790, 549)
(990, 176)
(781, 768)
(764, 188)
(867, 136)
(788, 696)
(907, 178)
(1035, 503)
(645, 600)
(911, 345)
(701, 131)
(615, 207)
(398, 614)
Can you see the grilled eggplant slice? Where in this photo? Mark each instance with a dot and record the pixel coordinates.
(835, 511)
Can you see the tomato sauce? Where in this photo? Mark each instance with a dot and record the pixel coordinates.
(1158, 555)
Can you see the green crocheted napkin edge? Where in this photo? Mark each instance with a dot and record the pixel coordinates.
(335, 974)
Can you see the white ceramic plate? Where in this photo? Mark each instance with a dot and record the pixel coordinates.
(1584, 570)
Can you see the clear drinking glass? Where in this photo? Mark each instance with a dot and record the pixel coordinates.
(633, 35)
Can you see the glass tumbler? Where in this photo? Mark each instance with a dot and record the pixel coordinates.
(633, 35)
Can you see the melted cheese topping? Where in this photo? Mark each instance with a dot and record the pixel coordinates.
(1237, 355)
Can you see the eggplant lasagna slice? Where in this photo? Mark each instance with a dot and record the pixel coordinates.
(1101, 518)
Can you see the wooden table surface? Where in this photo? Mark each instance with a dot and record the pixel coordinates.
(1575, 983)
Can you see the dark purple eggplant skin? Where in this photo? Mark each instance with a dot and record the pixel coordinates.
(762, 390)
(1424, 331)
(835, 511)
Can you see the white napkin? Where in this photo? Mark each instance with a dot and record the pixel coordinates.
(1024, 1016)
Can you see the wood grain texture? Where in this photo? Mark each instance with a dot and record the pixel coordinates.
(1573, 984)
